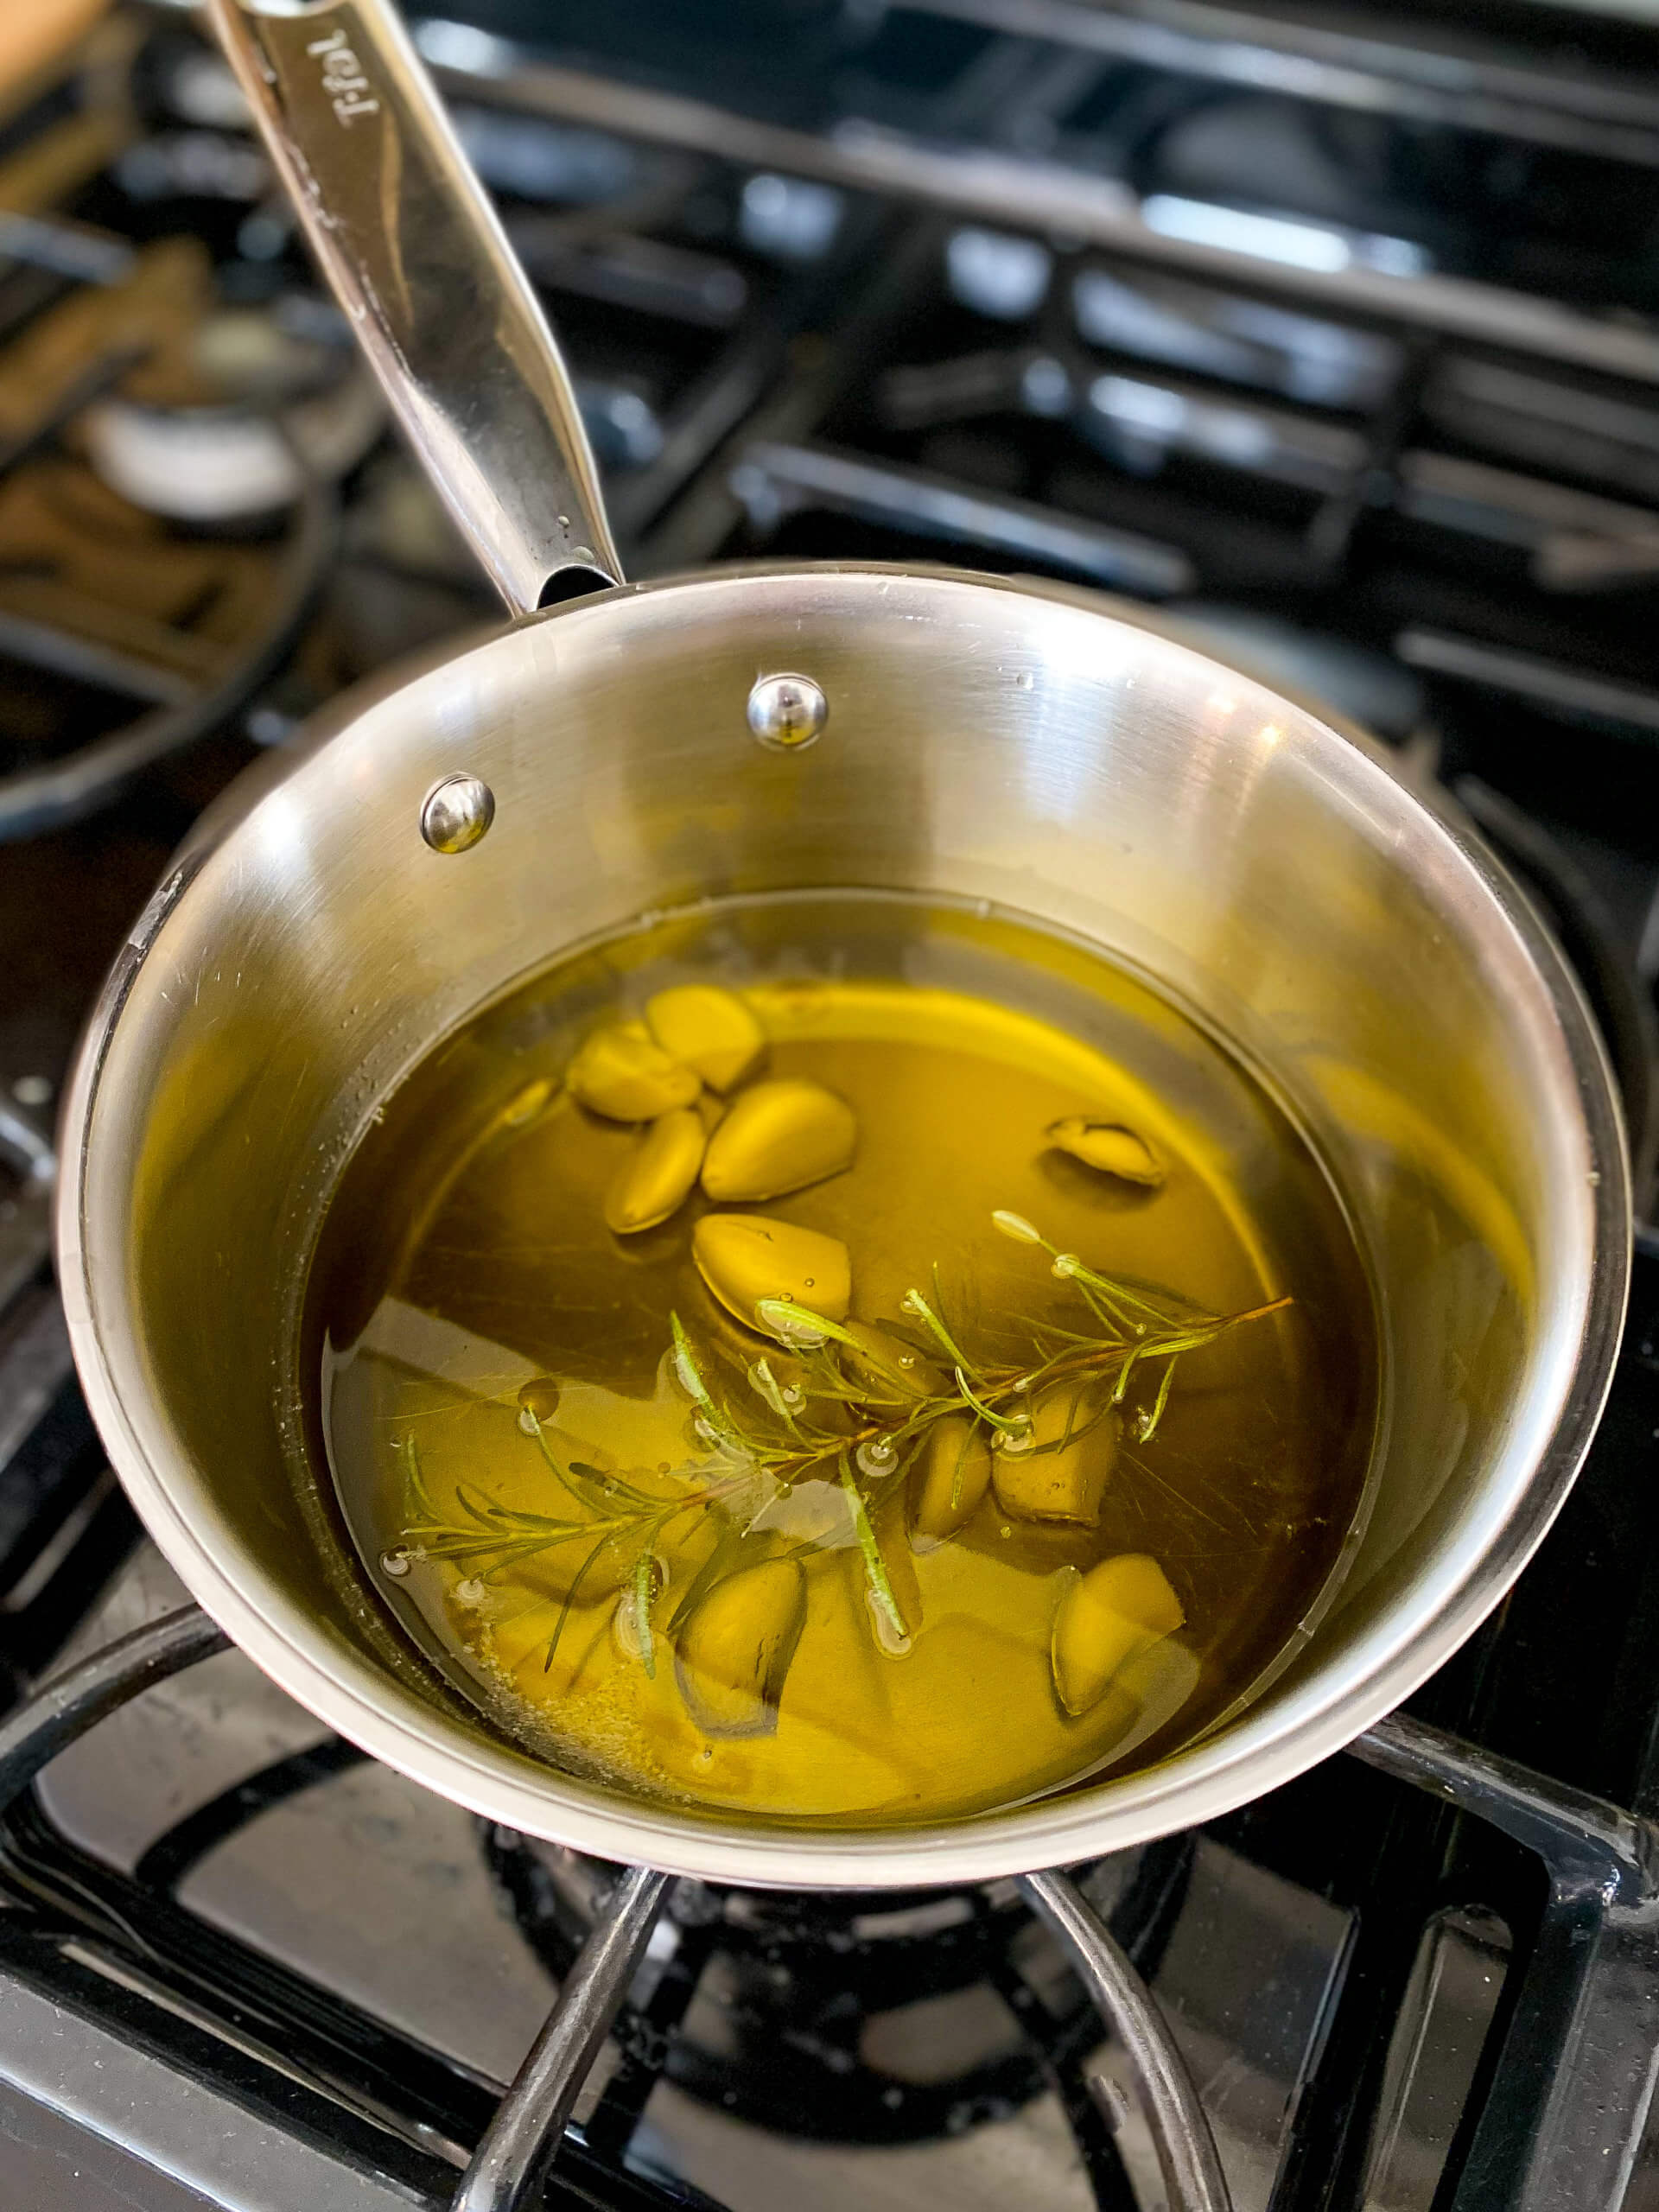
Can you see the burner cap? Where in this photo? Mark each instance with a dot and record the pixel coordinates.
(227, 432)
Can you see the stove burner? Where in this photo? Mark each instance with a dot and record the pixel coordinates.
(105, 611)
(899, 2017)
(73, 639)
(229, 432)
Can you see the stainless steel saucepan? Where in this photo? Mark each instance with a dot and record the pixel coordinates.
(757, 730)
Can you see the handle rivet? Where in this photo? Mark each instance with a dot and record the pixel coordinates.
(456, 812)
(787, 712)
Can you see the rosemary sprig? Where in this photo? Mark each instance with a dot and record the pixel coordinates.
(1133, 1326)
(826, 1416)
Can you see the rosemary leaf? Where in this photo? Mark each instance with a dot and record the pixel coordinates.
(798, 1325)
(591, 1486)
(881, 1588)
(642, 1612)
(913, 1302)
(488, 1512)
(1147, 1427)
(1105, 1310)
(418, 1500)
(1009, 1427)
(685, 1367)
(765, 1383)
(576, 1581)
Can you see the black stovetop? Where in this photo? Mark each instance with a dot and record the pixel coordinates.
(1334, 339)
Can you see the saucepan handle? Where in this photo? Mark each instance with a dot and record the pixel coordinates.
(406, 236)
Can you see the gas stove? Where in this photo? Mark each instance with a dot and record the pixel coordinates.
(1333, 342)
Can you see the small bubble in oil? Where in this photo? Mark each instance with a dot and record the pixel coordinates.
(538, 1402)
(395, 1564)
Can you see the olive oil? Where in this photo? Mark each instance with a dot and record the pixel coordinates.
(844, 1360)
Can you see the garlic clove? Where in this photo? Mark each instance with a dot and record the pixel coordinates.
(1119, 1609)
(777, 1137)
(624, 1074)
(710, 1030)
(1058, 1470)
(734, 1649)
(1109, 1147)
(950, 1479)
(655, 1181)
(747, 1257)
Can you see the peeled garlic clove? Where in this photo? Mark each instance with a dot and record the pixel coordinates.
(886, 1366)
(1061, 1473)
(710, 1029)
(1105, 1618)
(624, 1074)
(779, 1136)
(655, 1182)
(1109, 1147)
(950, 1479)
(735, 1647)
(744, 1257)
